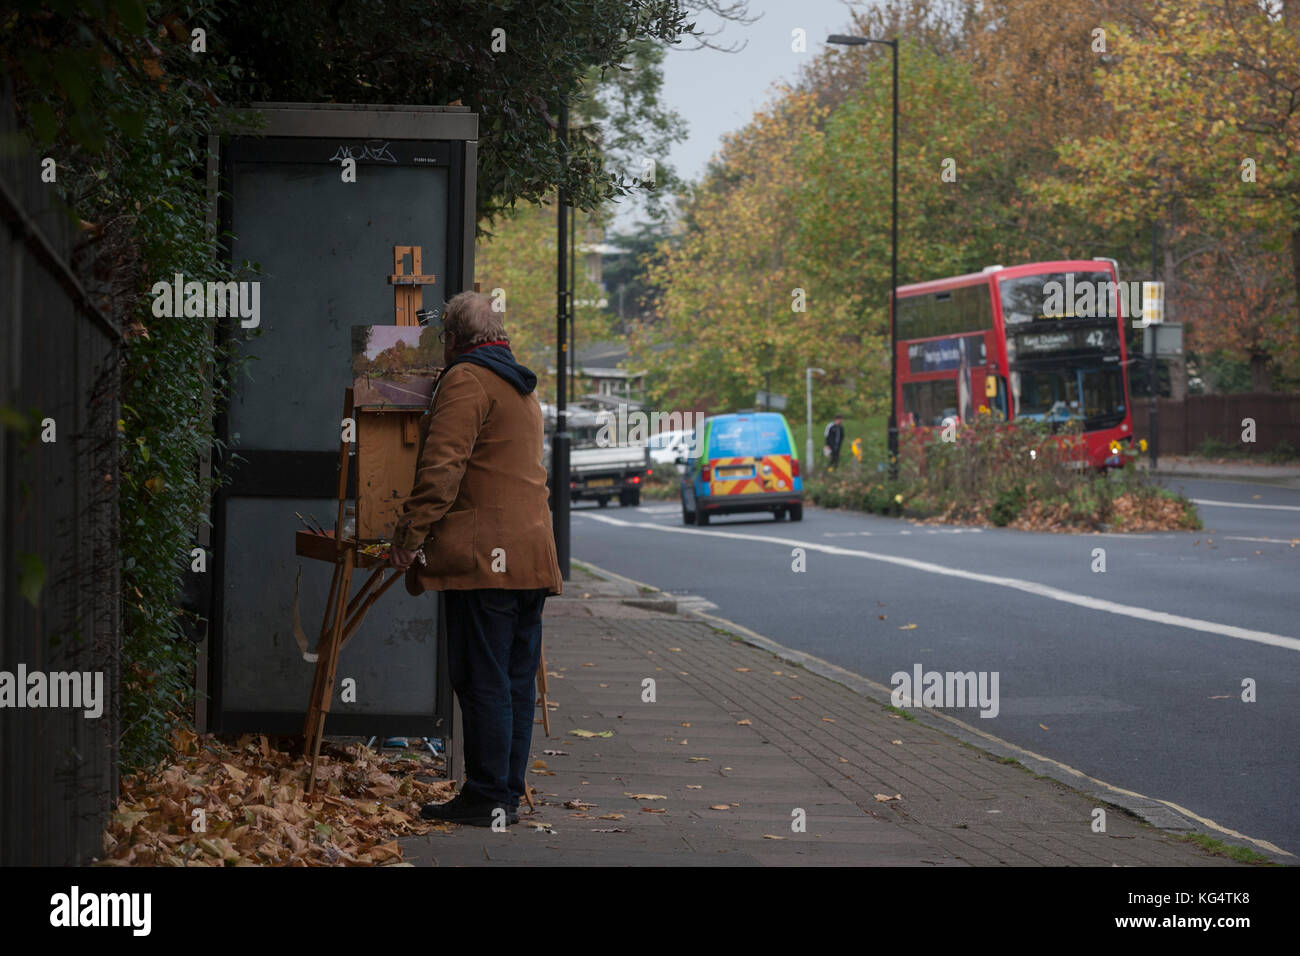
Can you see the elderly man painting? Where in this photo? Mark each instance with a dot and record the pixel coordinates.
(479, 511)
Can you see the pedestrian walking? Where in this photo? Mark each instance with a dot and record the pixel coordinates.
(478, 510)
(833, 439)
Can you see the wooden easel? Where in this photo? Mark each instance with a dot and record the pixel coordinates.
(342, 617)
(385, 459)
(386, 443)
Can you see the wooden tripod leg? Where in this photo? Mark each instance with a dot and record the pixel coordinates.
(541, 686)
(349, 628)
(327, 625)
(328, 666)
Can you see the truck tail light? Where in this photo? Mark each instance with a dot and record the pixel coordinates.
(634, 480)
(649, 472)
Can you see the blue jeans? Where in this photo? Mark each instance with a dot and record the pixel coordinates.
(494, 642)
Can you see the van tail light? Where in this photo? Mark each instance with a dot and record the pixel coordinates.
(704, 474)
(795, 470)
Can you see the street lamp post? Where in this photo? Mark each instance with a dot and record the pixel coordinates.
(563, 303)
(808, 374)
(893, 266)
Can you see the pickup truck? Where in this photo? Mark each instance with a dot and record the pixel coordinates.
(598, 472)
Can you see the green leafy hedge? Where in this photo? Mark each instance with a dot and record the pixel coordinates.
(124, 106)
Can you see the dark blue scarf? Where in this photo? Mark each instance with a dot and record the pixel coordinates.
(499, 358)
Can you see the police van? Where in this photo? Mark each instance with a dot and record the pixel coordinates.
(743, 462)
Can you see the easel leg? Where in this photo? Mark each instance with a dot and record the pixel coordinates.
(327, 625)
(326, 668)
(542, 688)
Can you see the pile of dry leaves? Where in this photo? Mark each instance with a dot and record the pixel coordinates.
(1126, 512)
(254, 811)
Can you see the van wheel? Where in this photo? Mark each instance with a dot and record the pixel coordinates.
(688, 517)
(778, 513)
(701, 516)
(796, 512)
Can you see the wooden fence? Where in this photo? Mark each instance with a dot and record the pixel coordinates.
(1185, 425)
(59, 578)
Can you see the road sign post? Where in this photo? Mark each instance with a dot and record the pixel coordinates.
(808, 374)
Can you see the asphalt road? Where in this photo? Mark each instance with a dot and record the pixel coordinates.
(1133, 675)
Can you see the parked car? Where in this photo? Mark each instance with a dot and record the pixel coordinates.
(746, 463)
(667, 447)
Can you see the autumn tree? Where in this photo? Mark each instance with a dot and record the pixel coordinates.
(516, 266)
(1205, 127)
(1242, 308)
(733, 299)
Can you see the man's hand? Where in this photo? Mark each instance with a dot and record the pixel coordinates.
(400, 558)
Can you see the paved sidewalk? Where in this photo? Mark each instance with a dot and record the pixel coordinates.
(1287, 476)
(735, 728)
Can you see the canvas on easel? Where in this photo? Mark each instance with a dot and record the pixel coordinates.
(395, 369)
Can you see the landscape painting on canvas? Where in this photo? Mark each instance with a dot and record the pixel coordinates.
(394, 366)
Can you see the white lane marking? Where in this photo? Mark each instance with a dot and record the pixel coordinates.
(1029, 587)
(1291, 541)
(868, 534)
(1242, 504)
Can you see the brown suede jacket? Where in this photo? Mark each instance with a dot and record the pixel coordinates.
(479, 504)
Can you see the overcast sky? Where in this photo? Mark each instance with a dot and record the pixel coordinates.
(718, 92)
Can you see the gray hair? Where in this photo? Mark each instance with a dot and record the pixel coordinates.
(469, 316)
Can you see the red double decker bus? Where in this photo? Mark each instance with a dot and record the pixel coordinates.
(1042, 341)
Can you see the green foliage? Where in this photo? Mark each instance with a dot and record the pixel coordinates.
(1283, 452)
(125, 107)
(849, 489)
(31, 577)
(519, 259)
(1007, 506)
(421, 52)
